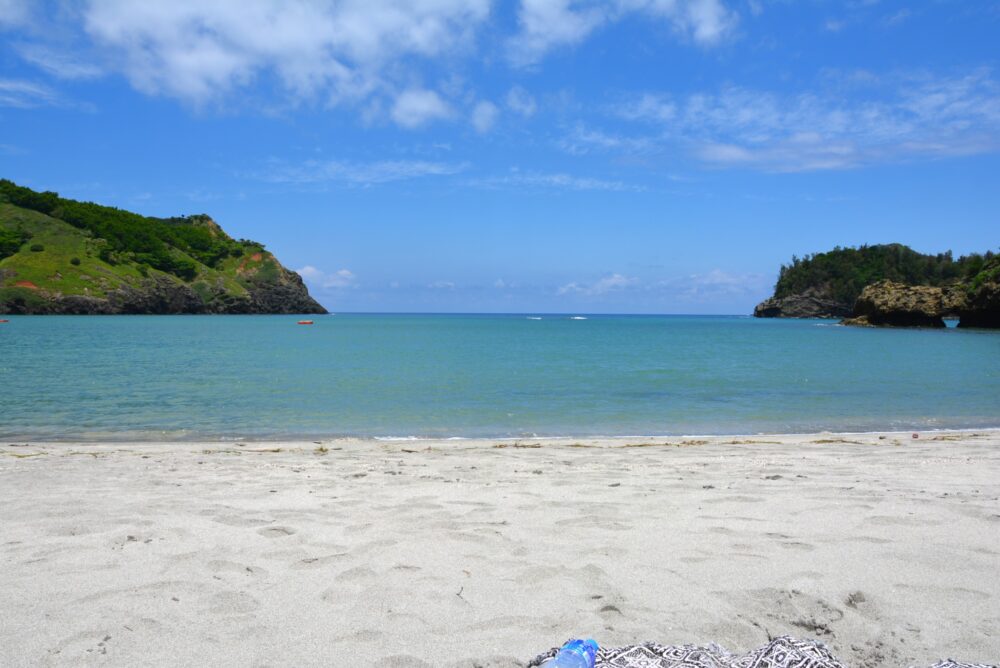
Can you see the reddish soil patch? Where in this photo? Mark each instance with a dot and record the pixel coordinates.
(25, 284)
(242, 269)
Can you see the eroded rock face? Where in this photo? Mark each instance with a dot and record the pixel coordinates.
(155, 295)
(810, 304)
(161, 295)
(890, 304)
(286, 295)
(982, 307)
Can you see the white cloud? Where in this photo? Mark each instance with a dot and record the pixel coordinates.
(329, 51)
(903, 117)
(610, 283)
(521, 102)
(417, 106)
(26, 94)
(707, 21)
(549, 24)
(343, 278)
(384, 171)
(441, 285)
(484, 116)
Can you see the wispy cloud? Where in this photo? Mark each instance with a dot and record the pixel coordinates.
(550, 24)
(26, 94)
(712, 285)
(582, 139)
(899, 17)
(58, 63)
(520, 101)
(559, 181)
(602, 286)
(353, 173)
(14, 13)
(484, 116)
(337, 280)
(904, 117)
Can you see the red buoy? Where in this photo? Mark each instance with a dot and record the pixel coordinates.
(305, 322)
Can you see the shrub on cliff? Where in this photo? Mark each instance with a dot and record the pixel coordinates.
(11, 241)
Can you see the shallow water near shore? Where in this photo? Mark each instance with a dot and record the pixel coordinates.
(439, 376)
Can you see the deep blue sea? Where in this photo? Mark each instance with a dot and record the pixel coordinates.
(264, 377)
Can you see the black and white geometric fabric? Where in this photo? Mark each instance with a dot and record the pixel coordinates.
(782, 652)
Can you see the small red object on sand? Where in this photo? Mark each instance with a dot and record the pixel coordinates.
(916, 436)
(305, 322)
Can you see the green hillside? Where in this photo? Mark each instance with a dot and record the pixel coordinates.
(63, 256)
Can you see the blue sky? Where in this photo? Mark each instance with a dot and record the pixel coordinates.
(638, 156)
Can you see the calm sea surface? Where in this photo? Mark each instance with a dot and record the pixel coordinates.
(222, 377)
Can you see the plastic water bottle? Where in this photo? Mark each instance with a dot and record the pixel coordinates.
(574, 654)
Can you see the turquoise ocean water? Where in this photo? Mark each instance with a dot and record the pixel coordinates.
(228, 377)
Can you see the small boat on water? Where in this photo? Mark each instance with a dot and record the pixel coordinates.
(305, 322)
(4, 320)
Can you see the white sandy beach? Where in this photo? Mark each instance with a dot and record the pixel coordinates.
(465, 553)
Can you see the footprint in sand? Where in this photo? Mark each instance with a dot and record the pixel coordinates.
(319, 562)
(356, 574)
(219, 566)
(82, 644)
(276, 532)
(233, 603)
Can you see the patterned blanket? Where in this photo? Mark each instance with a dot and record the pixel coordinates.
(782, 652)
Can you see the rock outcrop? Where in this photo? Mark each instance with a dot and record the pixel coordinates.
(813, 303)
(161, 295)
(981, 307)
(890, 304)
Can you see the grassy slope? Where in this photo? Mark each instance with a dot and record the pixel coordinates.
(51, 269)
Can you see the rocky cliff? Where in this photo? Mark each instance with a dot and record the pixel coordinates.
(890, 304)
(813, 303)
(60, 256)
(981, 307)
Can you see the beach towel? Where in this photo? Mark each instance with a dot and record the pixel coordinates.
(782, 652)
